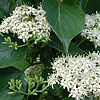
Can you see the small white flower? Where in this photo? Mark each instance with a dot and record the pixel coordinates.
(25, 36)
(26, 21)
(52, 80)
(91, 30)
(79, 74)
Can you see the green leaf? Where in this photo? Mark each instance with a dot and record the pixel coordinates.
(66, 20)
(92, 6)
(71, 2)
(35, 2)
(46, 73)
(5, 76)
(57, 91)
(73, 49)
(46, 56)
(11, 57)
(51, 97)
(67, 98)
(84, 3)
(22, 65)
(7, 6)
(56, 43)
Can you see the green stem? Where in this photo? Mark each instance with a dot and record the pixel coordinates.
(19, 46)
(22, 45)
(37, 86)
(27, 97)
(81, 42)
(26, 43)
(28, 91)
(21, 92)
(28, 52)
(32, 45)
(43, 89)
(27, 94)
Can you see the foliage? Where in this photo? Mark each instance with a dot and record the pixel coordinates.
(6, 75)
(54, 30)
(61, 20)
(33, 86)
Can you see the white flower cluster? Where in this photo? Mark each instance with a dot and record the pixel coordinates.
(79, 74)
(91, 30)
(26, 22)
